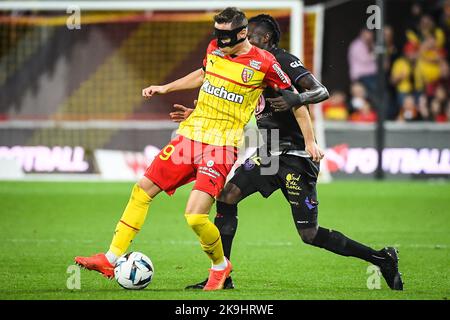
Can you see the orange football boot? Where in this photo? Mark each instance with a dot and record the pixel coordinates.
(97, 262)
(217, 278)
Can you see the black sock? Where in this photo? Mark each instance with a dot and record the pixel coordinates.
(336, 242)
(226, 221)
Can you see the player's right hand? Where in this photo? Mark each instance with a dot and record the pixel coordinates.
(314, 151)
(181, 114)
(152, 90)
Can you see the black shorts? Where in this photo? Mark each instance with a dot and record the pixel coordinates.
(296, 177)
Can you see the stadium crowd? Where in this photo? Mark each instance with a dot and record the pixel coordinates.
(417, 75)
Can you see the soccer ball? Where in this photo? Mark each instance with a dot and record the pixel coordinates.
(134, 271)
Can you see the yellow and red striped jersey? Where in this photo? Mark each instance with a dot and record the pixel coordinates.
(229, 94)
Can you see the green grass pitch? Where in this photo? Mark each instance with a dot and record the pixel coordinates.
(44, 225)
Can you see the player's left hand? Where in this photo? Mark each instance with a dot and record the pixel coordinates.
(286, 101)
(152, 90)
(314, 151)
(181, 114)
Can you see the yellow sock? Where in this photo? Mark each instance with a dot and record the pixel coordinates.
(209, 236)
(131, 221)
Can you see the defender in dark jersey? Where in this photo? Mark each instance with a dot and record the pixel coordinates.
(298, 157)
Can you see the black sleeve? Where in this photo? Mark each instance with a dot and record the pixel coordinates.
(293, 67)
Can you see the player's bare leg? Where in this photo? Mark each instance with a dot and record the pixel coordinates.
(149, 187)
(197, 216)
(129, 225)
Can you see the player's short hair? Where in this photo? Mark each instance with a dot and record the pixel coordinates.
(233, 15)
(270, 25)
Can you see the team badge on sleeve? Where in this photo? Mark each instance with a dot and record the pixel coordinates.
(247, 75)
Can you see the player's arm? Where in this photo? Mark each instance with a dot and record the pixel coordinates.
(315, 92)
(305, 123)
(275, 77)
(192, 81)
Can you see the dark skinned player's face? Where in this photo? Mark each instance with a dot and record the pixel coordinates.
(258, 36)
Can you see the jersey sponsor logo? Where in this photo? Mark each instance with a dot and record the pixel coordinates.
(311, 203)
(219, 53)
(249, 164)
(222, 93)
(292, 181)
(296, 64)
(280, 73)
(256, 159)
(255, 64)
(292, 177)
(262, 116)
(247, 75)
(210, 172)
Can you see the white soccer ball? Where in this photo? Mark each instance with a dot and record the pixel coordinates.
(134, 271)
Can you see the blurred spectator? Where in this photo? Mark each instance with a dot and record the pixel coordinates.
(424, 112)
(427, 29)
(335, 108)
(445, 22)
(409, 111)
(430, 66)
(358, 96)
(360, 105)
(439, 105)
(364, 114)
(402, 75)
(362, 61)
(431, 59)
(417, 76)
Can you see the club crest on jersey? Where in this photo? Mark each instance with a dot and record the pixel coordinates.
(247, 75)
(255, 64)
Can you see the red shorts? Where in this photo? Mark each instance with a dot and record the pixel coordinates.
(184, 160)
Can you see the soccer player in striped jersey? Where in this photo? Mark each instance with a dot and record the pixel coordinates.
(298, 170)
(232, 78)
